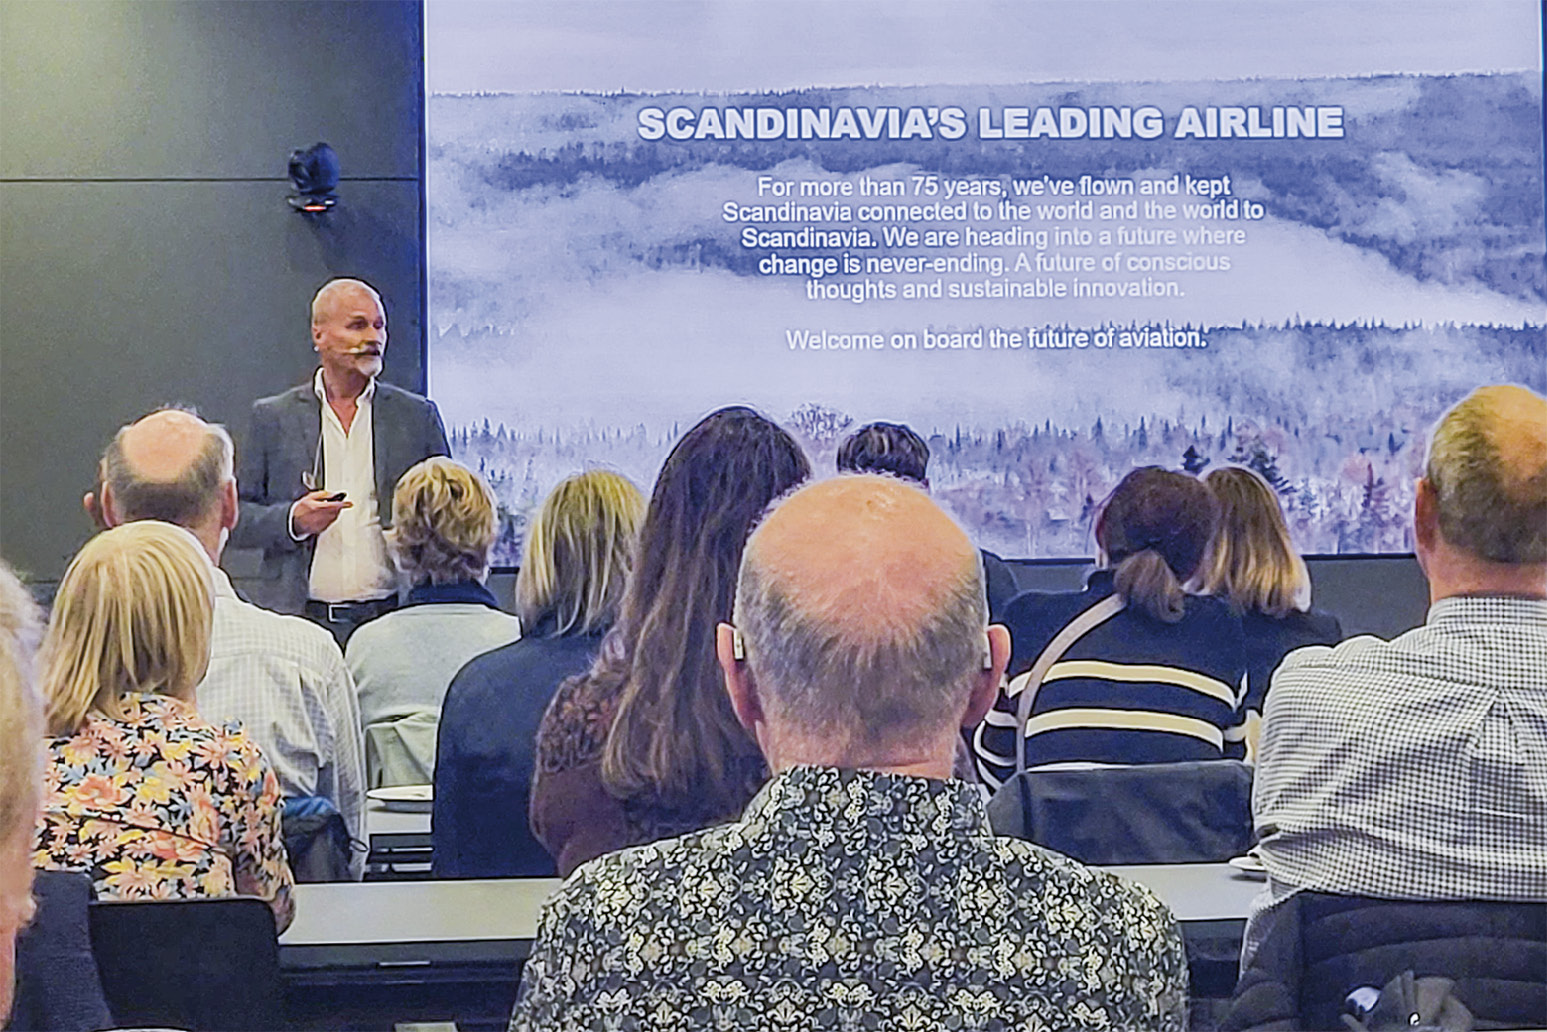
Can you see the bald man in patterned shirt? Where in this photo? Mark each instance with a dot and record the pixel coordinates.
(862, 887)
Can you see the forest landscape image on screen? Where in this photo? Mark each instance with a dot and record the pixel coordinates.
(1052, 281)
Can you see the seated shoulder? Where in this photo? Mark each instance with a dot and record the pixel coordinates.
(1062, 879)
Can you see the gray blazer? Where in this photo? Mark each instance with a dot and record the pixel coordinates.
(282, 445)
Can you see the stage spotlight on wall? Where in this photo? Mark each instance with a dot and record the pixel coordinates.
(314, 172)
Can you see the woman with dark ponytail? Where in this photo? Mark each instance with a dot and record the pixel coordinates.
(1133, 669)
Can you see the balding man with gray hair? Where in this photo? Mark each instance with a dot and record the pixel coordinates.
(862, 886)
(283, 678)
(320, 463)
(1417, 768)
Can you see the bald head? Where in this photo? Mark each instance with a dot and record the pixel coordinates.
(341, 292)
(1487, 472)
(861, 607)
(170, 466)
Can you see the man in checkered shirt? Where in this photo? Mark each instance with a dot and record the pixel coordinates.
(1417, 768)
(282, 677)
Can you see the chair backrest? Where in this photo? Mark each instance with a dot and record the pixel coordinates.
(316, 840)
(57, 985)
(1496, 953)
(401, 751)
(203, 964)
(1155, 813)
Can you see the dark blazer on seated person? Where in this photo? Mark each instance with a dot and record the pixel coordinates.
(1322, 947)
(282, 445)
(486, 752)
(58, 987)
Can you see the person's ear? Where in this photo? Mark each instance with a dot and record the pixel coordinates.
(105, 517)
(1426, 518)
(985, 686)
(739, 684)
(230, 506)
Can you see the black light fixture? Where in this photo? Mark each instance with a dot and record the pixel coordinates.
(314, 173)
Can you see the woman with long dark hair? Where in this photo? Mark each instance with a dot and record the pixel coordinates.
(645, 745)
(1133, 669)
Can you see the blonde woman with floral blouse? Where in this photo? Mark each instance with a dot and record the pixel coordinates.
(140, 792)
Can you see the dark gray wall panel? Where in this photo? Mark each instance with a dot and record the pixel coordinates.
(191, 88)
(122, 296)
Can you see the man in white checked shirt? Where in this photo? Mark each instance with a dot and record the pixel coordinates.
(1417, 768)
(282, 677)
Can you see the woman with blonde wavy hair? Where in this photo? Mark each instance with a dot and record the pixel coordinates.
(141, 793)
(444, 523)
(1256, 569)
(576, 560)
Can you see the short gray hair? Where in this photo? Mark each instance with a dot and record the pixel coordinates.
(1491, 501)
(882, 692)
(183, 501)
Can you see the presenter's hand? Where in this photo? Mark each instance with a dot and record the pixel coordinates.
(313, 513)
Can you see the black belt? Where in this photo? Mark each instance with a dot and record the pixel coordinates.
(350, 612)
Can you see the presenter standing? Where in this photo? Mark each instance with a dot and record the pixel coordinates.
(319, 466)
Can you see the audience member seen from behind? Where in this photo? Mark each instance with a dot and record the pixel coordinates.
(644, 745)
(141, 793)
(1417, 768)
(573, 569)
(282, 677)
(443, 529)
(897, 450)
(21, 727)
(1133, 668)
(1256, 569)
(861, 881)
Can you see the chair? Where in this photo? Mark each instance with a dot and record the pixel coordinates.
(1321, 947)
(57, 985)
(1155, 813)
(203, 964)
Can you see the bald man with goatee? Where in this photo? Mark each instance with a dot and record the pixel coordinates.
(319, 466)
(862, 887)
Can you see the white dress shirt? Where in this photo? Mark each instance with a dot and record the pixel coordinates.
(350, 562)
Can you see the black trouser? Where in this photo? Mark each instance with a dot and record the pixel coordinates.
(341, 618)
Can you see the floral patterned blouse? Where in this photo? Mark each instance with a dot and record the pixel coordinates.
(849, 899)
(164, 805)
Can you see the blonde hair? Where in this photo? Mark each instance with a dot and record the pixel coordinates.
(1255, 566)
(578, 553)
(443, 523)
(21, 716)
(133, 614)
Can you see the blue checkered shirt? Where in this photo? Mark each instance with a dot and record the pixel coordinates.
(1414, 768)
(285, 680)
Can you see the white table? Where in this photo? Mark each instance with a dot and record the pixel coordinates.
(438, 950)
(419, 922)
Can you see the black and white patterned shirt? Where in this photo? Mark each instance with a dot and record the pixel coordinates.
(1414, 768)
(852, 900)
